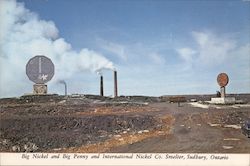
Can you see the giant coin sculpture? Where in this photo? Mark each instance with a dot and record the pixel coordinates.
(40, 70)
(223, 80)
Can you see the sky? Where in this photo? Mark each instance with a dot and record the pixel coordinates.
(158, 47)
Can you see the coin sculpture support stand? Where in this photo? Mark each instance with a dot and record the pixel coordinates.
(223, 91)
(40, 70)
(40, 89)
(223, 80)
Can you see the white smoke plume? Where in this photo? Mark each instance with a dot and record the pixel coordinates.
(23, 35)
(99, 72)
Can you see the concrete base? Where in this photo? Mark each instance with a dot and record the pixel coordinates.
(39, 89)
(223, 100)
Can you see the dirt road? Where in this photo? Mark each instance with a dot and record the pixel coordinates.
(196, 130)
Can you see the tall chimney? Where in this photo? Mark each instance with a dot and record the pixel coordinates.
(65, 86)
(65, 89)
(101, 85)
(115, 84)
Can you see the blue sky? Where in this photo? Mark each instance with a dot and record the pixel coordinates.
(81, 22)
(159, 47)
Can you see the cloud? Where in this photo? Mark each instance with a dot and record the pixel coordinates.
(135, 53)
(114, 48)
(212, 54)
(210, 50)
(186, 54)
(23, 35)
(157, 58)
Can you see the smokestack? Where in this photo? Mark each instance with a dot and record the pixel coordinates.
(101, 85)
(115, 84)
(65, 89)
(65, 86)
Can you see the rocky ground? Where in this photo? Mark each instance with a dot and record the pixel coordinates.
(88, 123)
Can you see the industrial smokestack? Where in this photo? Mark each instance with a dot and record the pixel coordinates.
(115, 84)
(65, 86)
(101, 85)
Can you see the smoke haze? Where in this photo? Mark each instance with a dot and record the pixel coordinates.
(23, 35)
